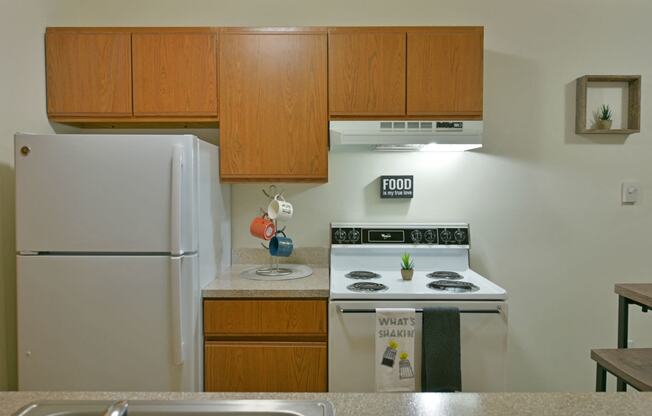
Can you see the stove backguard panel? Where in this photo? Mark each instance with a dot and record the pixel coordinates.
(345, 259)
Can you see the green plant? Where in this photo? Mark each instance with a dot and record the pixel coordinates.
(406, 262)
(605, 112)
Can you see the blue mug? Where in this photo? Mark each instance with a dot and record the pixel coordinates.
(281, 246)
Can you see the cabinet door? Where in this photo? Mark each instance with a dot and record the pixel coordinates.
(273, 106)
(265, 367)
(265, 317)
(175, 74)
(88, 74)
(366, 70)
(444, 72)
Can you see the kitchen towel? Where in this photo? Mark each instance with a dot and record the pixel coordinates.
(440, 362)
(395, 349)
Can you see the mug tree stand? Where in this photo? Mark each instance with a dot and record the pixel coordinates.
(274, 269)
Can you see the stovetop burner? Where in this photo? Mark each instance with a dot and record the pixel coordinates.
(362, 275)
(443, 274)
(367, 287)
(453, 286)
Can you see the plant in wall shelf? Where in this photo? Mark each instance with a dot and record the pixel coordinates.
(604, 117)
(407, 266)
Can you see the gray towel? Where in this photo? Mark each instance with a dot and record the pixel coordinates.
(440, 363)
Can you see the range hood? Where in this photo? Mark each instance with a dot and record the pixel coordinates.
(407, 135)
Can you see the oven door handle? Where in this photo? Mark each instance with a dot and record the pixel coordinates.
(498, 310)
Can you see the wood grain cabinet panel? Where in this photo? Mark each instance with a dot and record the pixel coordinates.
(273, 106)
(88, 74)
(265, 367)
(444, 72)
(366, 72)
(175, 74)
(265, 317)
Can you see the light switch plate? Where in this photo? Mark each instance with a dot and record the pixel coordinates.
(630, 192)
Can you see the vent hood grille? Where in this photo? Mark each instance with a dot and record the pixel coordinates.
(407, 135)
(402, 125)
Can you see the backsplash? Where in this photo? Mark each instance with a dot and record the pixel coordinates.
(444, 183)
(314, 256)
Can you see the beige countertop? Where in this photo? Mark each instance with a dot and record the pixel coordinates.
(373, 404)
(230, 284)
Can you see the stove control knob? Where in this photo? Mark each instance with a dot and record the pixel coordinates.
(429, 236)
(445, 236)
(354, 235)
(460, 235)
(340, 235)
(415, 235)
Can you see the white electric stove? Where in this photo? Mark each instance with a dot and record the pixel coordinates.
(365, 275)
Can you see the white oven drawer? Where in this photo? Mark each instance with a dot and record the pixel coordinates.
(352, 345)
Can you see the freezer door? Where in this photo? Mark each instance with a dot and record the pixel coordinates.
(108, 323)
(106, 193)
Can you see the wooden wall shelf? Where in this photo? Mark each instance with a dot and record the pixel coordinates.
(633, 106)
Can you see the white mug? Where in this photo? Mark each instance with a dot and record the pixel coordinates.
(279, 209)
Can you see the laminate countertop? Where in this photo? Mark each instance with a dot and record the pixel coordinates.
(379, 404)
(230, 284)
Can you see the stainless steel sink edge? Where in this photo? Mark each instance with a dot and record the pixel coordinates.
(183, 407)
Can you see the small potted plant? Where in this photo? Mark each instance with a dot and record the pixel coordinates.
(407, 266)
(604, 117)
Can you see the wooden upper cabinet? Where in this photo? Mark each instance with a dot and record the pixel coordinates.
(444, 72)
(275, 90)
(366, 72)
(88, 74)
(175, 74)
(273, 105)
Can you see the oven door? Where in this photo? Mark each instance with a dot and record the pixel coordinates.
(351, 346)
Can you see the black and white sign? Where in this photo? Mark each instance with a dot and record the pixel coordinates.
(397, 186)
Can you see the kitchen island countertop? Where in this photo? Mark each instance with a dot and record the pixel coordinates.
(230, 284)
(373, 404)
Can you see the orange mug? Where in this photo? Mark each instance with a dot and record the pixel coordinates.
(262, 227)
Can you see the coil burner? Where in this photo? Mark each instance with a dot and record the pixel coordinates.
(362, 275)
(367, 287)
(453, 286)
(445, 275)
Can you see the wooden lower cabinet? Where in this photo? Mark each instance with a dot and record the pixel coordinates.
(265, 317)
(265, 366)
(265, 345)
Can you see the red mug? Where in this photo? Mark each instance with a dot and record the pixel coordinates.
(262, 227)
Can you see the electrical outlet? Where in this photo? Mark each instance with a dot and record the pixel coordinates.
(630, 343)
(630, 192)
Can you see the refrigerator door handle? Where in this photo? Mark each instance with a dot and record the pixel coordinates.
(175, 208)
(178, 344)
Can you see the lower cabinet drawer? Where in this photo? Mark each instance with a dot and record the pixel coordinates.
(265, 317)
(265, 366)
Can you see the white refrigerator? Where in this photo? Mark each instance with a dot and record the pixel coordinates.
(115, 237)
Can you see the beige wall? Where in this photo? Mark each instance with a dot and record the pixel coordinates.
(22, 107)
(543, 203)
